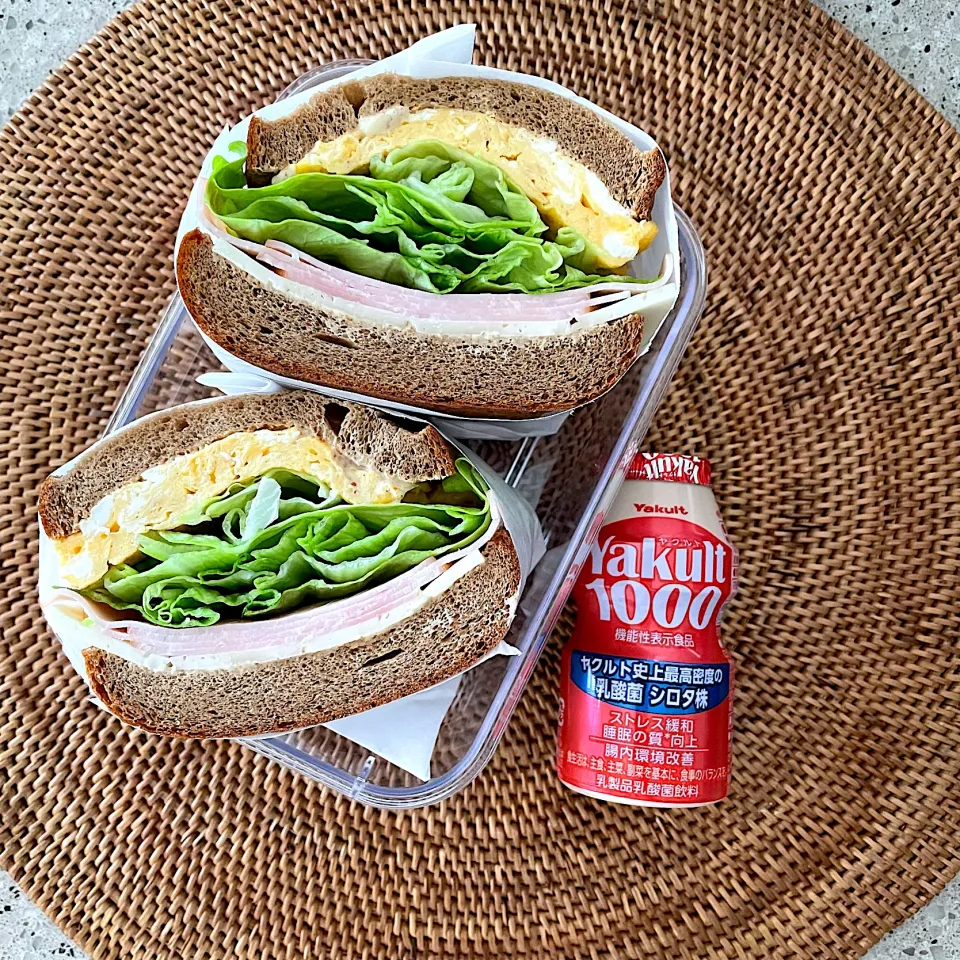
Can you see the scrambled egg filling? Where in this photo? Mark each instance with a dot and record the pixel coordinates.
(174, 489)
(565, 192)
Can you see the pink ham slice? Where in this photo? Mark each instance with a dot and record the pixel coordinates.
(236, 637)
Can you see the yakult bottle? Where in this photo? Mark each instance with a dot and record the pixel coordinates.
(646, 687)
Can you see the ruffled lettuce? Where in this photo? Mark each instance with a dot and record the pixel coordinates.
(428, 216)
(284, 541)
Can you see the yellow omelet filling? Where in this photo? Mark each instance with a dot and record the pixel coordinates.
(174, 489)
(565, 192)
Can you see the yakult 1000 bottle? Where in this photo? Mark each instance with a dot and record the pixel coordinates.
(646, 687)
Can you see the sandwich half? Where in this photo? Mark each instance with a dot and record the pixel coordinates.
(460, 244)
(257, 564)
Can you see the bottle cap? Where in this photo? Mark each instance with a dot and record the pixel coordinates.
(670, 467)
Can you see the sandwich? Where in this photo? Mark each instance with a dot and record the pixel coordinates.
(461, 245)
(257, 564)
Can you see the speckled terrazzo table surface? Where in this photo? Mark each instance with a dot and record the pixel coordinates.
(919, 38)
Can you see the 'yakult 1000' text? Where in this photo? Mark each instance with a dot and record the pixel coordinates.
(646, 687)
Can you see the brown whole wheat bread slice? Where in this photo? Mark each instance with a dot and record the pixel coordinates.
(463, 375)
(370, 439)
(325, 117)
(446, 636)
(631, 175)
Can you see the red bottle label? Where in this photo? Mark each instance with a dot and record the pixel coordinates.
(646, 687)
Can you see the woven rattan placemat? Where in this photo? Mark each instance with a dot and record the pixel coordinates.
(822, 383)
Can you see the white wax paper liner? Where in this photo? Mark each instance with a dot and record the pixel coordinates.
(403, 732)
(449, 53)
(259, 380)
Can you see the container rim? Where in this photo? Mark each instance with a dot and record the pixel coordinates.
(670, 344)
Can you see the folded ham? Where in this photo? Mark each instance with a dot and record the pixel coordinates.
(491, 309)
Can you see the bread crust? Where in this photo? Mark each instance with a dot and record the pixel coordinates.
(412, 452)
(466, 375)
(326, 116)
(632, 176)
(448, 635)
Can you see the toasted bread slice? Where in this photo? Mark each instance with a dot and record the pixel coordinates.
(631, 175)
(370, 439)
(511, 377)
(446, 636)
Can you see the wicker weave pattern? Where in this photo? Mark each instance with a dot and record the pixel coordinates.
(822, 384)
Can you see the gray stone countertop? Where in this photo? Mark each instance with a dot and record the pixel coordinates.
(918, 38)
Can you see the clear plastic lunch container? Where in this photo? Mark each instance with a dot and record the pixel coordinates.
(570, 478)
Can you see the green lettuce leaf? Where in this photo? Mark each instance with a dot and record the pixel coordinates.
(428, 216)
(282, 541)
